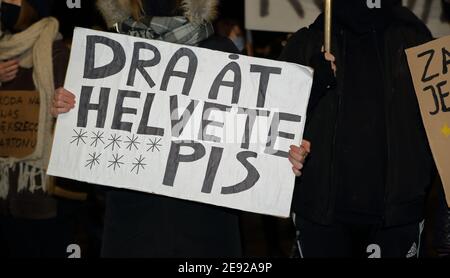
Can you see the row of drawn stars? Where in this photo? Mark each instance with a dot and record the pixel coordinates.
(114, 141)
(116, 162)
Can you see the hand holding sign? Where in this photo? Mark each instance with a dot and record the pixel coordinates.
(63, 102)
(298, 155)
(330, 58)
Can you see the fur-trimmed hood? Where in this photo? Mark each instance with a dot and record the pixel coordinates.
(114, 11)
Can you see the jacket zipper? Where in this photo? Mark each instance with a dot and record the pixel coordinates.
(333, 168)
(387, 91)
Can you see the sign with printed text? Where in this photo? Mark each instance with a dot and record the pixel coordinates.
(430, 69)
(291, 15)
(19, 119)
(181, 121)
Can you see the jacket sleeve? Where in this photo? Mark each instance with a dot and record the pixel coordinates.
(303, 48)
(60, 63)
(295, 49)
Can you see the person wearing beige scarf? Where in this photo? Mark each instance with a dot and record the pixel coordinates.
(33, 46)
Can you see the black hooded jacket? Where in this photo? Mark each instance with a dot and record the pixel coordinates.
(404, 152)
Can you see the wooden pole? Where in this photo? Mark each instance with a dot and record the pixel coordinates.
(328, 19)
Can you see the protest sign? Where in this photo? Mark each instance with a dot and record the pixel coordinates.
(180, 121)
(429, 65)
(291, 15)
(19, 119)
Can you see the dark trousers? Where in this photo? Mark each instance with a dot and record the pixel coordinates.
(358, 241)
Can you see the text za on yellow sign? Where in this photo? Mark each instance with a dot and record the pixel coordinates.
(430, 69)
(19, 118)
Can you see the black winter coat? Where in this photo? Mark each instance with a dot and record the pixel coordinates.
(409, 162)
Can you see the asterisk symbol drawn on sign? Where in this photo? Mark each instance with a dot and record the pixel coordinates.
(93, 160)
(132, 142)
(79, 137)
(115, 163)
(138, 164)
(154, 144)
(115, 140)
(96, 138)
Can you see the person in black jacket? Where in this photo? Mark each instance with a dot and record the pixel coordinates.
(362, 190)
(146, 225)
